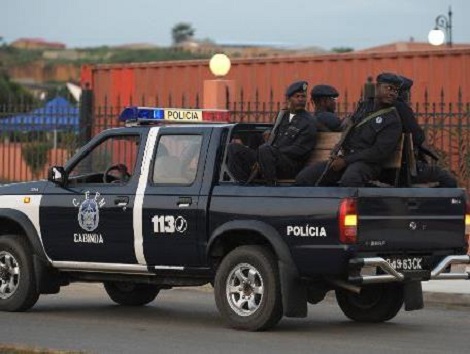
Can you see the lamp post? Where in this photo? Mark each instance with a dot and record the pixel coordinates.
(218, 92)
(437, 36)
(219, 65)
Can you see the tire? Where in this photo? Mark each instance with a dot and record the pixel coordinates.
(131, 294)
(247, 289)
(18, 291)
(375, 303)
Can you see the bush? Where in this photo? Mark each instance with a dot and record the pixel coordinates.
(35, 156)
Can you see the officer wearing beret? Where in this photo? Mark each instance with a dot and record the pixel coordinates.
(425, 172)
(324, 98)
(288, 147)
(370, 140)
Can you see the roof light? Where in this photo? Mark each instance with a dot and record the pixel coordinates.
(150, 114)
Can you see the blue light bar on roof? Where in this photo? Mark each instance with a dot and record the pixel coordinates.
(133, 114)
(145, 115)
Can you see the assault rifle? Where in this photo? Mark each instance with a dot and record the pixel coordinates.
(350, 122)
(255, 170)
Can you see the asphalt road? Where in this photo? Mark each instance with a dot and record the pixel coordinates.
(82, 318)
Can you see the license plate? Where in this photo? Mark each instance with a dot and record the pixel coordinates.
(406, 263)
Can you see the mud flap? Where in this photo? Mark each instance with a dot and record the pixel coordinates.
(294, 294)
(47, 278)
(413, 293)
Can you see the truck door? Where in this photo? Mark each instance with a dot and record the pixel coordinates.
(173, 210)
(90, 219)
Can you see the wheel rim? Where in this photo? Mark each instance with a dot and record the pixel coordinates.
(9, 275)
(245, 289)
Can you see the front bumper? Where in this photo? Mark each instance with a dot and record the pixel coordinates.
(389, 274)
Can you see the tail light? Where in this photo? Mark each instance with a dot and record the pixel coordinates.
(348, 221)
(467, 227)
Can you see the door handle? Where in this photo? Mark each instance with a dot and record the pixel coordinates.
(184, 202)
(121, 201)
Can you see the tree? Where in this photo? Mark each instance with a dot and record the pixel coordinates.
(11, 92)
(342, 49)
(182, 32)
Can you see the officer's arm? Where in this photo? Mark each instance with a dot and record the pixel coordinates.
(410, 124)
(303, 144)
(385, 144)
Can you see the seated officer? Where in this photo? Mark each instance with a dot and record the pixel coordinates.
(370, 139)
(425, 172)
(288, 147)
(324, 98)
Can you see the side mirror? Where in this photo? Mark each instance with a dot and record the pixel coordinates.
(57, 175)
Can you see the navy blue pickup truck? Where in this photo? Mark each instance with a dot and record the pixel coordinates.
(152, 205)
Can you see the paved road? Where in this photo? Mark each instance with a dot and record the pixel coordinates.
(82, 318)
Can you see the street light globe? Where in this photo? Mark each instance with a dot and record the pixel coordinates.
(436, 36)
(219, 65)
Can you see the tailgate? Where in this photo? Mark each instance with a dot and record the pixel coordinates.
(410, 219)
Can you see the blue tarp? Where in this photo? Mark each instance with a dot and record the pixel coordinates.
(57, 114)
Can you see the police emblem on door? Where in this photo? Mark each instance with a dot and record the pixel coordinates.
(89, 211)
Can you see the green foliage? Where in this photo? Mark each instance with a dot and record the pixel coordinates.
(68, 141)
(342, 49)
(11, 92)
(182, 32)
(35, 156)
(157, 54)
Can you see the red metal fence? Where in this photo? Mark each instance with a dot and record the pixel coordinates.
(180, 83)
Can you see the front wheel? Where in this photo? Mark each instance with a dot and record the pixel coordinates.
(375, 303)
(17, 281)
(131, 294)
(247, 289)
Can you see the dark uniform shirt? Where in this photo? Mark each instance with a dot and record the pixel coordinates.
(409, 122)
(374, 141)
(296, 139)
(327, 122)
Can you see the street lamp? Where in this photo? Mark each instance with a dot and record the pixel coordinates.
(437, 35)
(219, 65)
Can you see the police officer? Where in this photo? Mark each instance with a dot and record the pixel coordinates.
(288, 147)
(323, 98)
(371, 139)
(425, 172)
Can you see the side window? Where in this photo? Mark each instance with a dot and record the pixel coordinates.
(111, 161)
(177, 159)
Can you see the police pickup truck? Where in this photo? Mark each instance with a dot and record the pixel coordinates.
(152, 205)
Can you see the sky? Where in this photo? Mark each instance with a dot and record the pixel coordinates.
(294, 23)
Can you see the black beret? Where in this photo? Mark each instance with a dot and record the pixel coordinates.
(407, 83)
(298, 86)
(389, 78)
(323, 91)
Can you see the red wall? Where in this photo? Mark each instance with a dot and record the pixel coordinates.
(446, 70)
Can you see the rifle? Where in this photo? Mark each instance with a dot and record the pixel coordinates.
(348, 125)
(353, 123)
(335, 151)
(255, 170)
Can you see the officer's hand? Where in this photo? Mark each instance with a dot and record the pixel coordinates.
(338, 164)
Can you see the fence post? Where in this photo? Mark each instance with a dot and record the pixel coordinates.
(86, 115)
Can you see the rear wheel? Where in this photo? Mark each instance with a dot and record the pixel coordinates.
(131, 294)
(247, 289)
(17, 281)
(375, 303)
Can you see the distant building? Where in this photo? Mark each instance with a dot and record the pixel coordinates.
(136, 46)
(36, 43)
(410, 46)
(246, 50)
